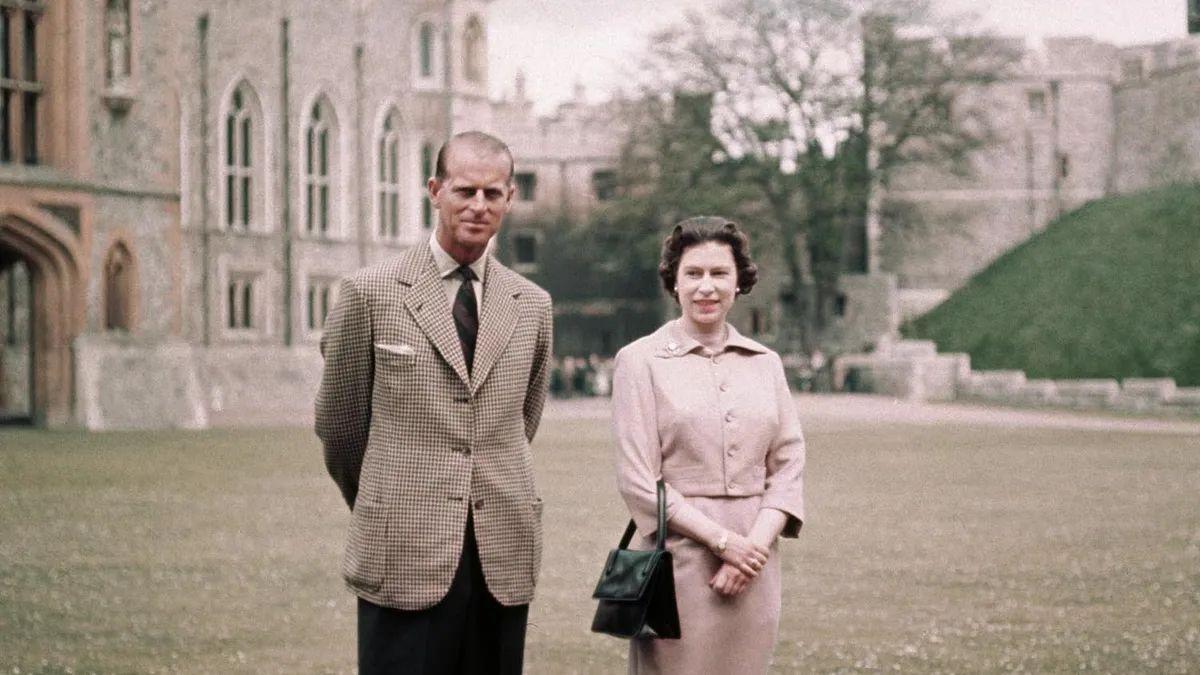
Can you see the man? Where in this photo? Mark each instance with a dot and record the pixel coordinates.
(436, 366)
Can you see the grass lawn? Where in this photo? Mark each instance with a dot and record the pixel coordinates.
(928, 549)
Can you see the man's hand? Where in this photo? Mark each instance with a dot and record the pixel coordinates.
(728, 581)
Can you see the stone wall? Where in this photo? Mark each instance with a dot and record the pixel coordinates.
(913, 370)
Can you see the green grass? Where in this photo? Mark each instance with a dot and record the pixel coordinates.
(1110, 290)
(928, 549)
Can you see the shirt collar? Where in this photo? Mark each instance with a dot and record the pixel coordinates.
(447, 264)
(679, 343)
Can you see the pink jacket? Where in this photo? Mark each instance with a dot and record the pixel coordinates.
(712, 425)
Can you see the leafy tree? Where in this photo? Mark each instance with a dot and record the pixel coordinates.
(791, 116)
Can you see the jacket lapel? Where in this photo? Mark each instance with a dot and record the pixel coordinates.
(497, 319)
(426, 302)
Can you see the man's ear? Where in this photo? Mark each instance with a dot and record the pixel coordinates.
(434, 186)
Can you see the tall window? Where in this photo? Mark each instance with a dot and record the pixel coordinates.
(118, 36)
(118, 289)
(426, 37)
(526, 186)
(239, 302)
(318, 167)
(319, 300)
(20, 90)
(427, 169)
(604, 184)
(473, 50)
(240, 208)
(525, 249)
(388, 192)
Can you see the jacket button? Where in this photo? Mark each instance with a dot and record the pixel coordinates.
(724, 387)
(478, 505)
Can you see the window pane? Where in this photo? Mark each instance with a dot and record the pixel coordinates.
(393, 160)
(231, 320)
(382, 159)
(308, 202)
(426, 163)
(426, 48)
(230, 197)
(394, 216)
(247, 294)
(324, 209)
(5, 127)
(230, 141)
(324, 306)
(311, 317)
(30, 47)
(383, 214)
(246, 139)
(324, 140)
(308, 155)
(29, 128)
(246, 203)
(426, 213)
(4, 42)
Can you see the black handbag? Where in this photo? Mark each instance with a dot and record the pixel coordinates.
(637, 588)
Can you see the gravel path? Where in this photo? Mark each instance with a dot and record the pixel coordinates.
(861, 409)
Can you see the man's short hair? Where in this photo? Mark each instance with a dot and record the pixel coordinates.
(486, 143)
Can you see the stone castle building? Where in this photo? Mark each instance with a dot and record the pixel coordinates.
(182, 183)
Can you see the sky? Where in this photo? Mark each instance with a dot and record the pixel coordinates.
(561, 43)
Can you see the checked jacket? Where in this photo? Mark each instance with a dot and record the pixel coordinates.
(412, 441)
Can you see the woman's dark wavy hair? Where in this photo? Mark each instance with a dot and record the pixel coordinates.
(698, 230)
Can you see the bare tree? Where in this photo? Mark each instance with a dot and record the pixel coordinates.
(812, 105)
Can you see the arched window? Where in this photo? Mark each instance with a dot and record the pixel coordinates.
(118, 42)
(474, 51)
(387, 193)
(119, 286)
(426, 44)
(319, 168)
(241, 161)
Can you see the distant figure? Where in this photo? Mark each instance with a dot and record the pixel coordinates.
(709, 412)
(436, 365)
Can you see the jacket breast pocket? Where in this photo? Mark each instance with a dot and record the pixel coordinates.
(394, 356)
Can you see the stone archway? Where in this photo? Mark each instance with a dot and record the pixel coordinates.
(50, 253)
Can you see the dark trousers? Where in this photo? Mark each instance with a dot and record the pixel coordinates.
(467, 632)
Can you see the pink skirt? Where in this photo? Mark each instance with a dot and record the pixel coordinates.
(719, 634)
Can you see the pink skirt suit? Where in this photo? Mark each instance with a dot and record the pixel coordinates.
(721, 429)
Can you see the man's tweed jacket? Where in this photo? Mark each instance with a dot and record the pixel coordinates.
(412, 441)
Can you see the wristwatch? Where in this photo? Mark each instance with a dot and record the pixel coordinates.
(723, 541)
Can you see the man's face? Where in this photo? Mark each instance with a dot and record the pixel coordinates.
(471, 201)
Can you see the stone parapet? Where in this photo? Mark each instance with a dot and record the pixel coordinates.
(914, 371)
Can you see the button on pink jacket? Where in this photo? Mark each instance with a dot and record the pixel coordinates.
(712, 425)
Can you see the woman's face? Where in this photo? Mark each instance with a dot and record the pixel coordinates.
(706, 282)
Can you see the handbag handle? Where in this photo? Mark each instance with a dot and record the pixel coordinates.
(662, 521)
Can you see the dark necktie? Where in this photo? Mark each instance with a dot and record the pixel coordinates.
(466, 315)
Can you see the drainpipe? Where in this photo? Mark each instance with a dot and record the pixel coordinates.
(285, 98)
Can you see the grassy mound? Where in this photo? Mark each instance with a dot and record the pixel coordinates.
(1110, 290)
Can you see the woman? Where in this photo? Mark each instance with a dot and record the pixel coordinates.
(709, 411)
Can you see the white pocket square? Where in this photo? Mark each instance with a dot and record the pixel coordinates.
(399, 350)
